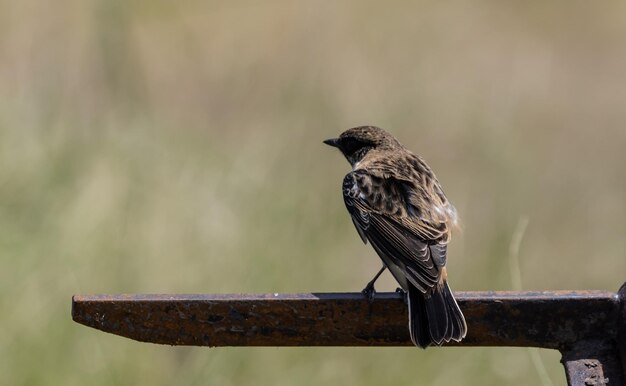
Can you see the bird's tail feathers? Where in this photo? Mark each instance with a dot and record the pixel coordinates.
(434, 316)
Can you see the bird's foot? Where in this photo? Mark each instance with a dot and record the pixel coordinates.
(404, 295)
(369, 292)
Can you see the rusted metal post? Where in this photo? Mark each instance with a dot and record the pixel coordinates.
(599, 362)
(593, 362)
(621, 334)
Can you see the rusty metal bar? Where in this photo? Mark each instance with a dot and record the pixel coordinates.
(583, 325)
(539, 319)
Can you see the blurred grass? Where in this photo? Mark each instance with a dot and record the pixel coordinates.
(151, 146)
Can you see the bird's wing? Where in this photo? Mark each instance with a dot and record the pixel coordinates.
(380, 212)
(430, 214)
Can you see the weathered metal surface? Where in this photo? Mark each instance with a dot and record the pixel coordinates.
(556, 320)
(621, 339)
(594, 362)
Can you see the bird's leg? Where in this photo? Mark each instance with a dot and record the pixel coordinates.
(369, 290)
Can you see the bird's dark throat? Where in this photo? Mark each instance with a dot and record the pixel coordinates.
(354, 149)
(358, 154)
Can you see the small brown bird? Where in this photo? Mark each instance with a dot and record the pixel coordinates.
(397, 204)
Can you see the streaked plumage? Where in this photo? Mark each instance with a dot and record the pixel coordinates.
(397, 204)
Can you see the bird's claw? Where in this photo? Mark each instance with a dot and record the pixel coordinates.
(369, 292)
(403, 293)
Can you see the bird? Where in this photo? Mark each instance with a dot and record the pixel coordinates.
(397, 205)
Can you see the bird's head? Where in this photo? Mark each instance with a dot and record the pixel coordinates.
(355, 143)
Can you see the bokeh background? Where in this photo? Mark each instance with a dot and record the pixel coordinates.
(166, 147)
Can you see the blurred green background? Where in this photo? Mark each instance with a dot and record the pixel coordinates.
(165, 147)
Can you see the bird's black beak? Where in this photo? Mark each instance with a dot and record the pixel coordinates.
(334, 142)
